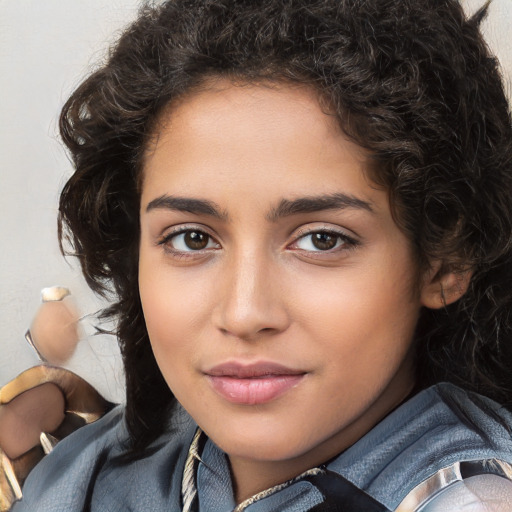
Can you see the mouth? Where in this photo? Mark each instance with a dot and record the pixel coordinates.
(252, 384)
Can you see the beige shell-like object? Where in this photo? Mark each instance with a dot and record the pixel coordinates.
(37, 409)
(54, 332)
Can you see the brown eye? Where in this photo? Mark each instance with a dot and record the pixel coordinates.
(324, 241)
(189, 240)
(196, 240)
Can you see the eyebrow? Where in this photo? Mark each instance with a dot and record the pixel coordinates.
(311, 204)
(186, 204)
(285, 208)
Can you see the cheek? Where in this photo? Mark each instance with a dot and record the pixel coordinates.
(175, 306)
(355, 297)
(367, 317)
(167, 327)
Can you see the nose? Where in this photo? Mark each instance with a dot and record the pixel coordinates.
(252, 300)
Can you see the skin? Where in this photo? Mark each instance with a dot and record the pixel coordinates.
(260, 290)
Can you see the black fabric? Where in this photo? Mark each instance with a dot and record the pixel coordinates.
(480, 467)
(340, 495)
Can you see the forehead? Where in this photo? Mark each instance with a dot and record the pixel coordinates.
(266, 140)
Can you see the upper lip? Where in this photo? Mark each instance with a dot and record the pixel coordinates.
(250, 370)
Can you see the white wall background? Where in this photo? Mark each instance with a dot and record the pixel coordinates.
(46, 47)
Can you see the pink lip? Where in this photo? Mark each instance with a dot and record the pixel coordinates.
(254, 383)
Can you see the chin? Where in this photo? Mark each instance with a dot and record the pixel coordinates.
(265, 444)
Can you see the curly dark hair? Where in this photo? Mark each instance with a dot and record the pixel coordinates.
(411, 81)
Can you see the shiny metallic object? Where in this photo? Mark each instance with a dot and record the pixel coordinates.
(445, 477)
(54, 294)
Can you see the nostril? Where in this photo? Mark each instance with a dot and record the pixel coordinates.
(248, 335)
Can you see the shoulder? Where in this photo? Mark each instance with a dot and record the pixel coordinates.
(84, 469)
(475, 438)
(429, 435)
(473, 409)
(482, 493)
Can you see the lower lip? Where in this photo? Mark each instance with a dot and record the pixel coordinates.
(253, 391)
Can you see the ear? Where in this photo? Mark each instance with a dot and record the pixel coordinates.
(442, 287)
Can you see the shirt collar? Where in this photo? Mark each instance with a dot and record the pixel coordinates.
(207, 479)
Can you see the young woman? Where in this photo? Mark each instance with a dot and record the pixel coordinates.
(304, 212)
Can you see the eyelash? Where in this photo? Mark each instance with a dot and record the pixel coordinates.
(343, 242)
(167, 239)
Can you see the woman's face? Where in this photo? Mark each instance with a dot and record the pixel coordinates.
(279, 295)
